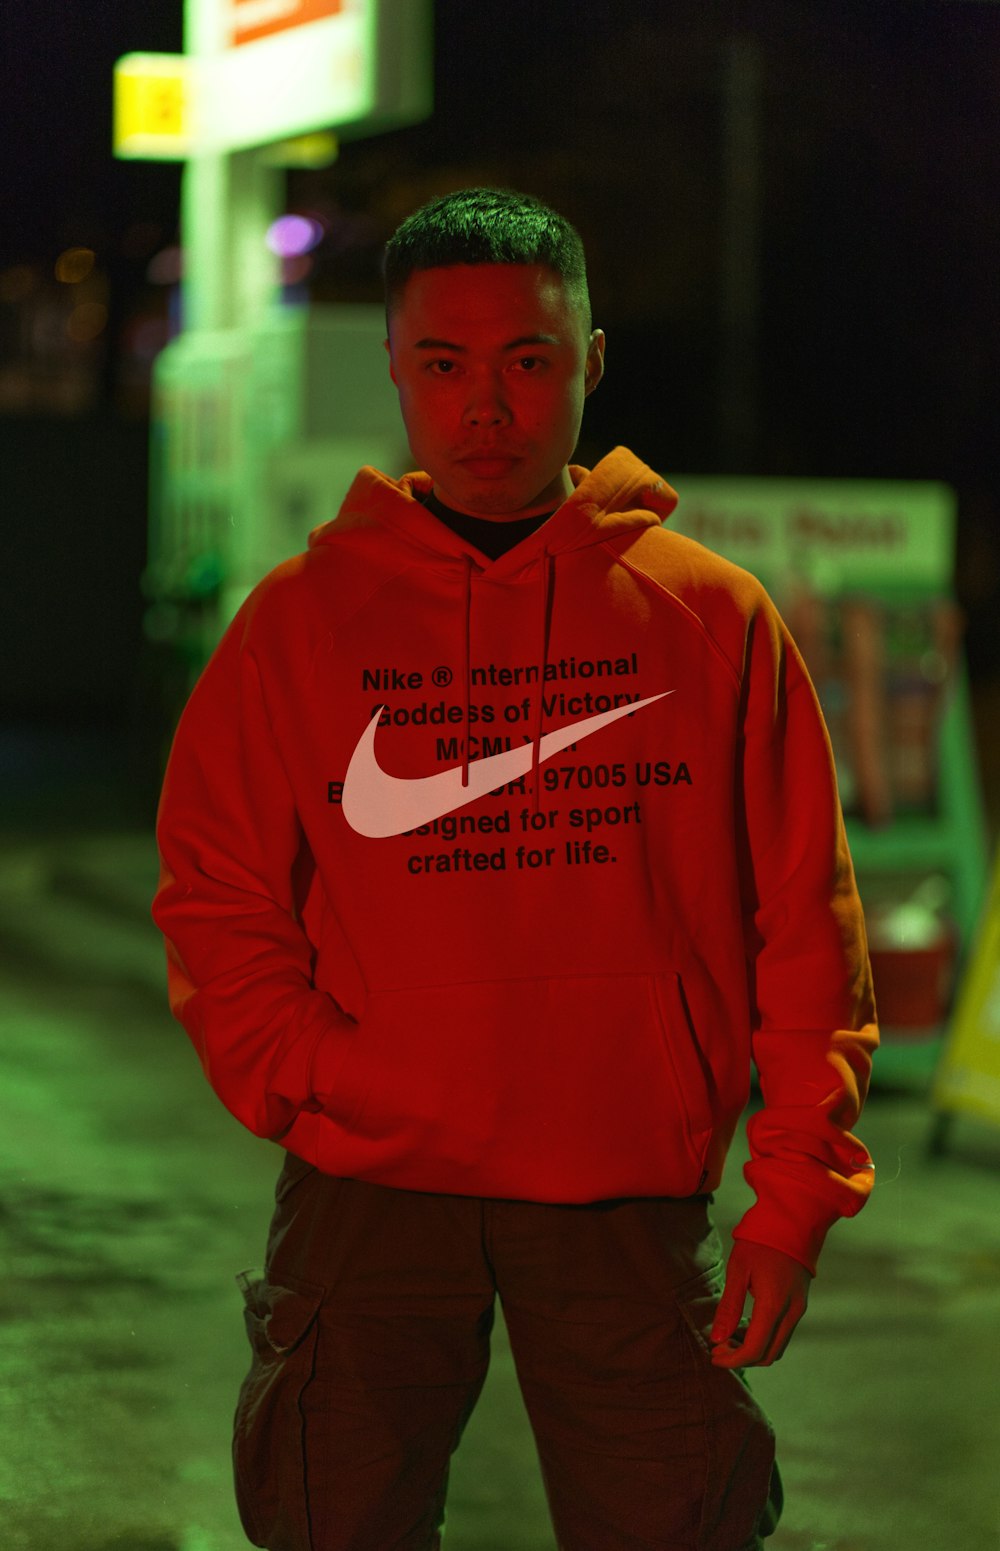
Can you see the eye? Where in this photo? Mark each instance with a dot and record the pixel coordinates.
(444, 367)
(530, 363)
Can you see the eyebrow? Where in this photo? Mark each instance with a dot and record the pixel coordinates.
(514, 344)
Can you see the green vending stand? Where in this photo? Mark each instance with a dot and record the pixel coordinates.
(257, 433)
(262, 412)
(863, 573)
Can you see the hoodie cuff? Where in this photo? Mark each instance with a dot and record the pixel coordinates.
(310, 1073)
(797, 1227)
(328, 1068)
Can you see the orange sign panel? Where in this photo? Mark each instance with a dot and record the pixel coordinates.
(253, 19)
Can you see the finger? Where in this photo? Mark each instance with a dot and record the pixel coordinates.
(726, 1321)
(785, 1332)
(755, 1350)
(768, 1349)
(730, 1308)
(727, 1355)
(731, 1338)
(732, 1353)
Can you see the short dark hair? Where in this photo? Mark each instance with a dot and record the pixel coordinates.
(486, 226)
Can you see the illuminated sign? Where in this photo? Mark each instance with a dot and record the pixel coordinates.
(153, 106)
(278, 70)
(315, 75)
(865, 534)
(253, 19)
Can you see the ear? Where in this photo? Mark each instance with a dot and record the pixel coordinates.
(594, 368)
(388, 350)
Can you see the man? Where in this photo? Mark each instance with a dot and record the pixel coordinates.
(499, 834)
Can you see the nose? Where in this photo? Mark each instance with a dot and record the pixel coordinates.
(486, 404)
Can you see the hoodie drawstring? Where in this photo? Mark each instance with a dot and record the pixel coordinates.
(547, 577)
(467, 667)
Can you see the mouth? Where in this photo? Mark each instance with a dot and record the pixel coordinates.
(489, 465)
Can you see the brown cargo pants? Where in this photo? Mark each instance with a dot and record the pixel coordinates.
(370, 1331)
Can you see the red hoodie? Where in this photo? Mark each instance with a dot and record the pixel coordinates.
(489, 877)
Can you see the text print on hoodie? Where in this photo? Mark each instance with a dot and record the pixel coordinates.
(488, 878)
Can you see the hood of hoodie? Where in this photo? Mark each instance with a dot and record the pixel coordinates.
(619, 495)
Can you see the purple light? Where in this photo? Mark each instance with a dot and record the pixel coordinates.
(291, 235)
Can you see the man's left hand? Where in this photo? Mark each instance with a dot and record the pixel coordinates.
(779, 1287)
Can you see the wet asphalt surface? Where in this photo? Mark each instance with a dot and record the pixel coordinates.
(129, 1200)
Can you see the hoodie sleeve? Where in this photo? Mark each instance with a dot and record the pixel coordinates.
(812, 1007)
(239, 964)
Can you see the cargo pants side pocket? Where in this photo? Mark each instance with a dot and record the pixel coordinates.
(743, 1487)
(268, 1445)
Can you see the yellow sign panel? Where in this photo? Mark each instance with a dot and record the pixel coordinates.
(153, 106)
(968, 1077)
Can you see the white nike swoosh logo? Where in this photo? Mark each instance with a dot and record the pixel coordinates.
(377, 804)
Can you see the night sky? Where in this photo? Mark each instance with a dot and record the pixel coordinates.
(877, 319)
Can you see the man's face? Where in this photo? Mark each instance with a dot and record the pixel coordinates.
(492, 366)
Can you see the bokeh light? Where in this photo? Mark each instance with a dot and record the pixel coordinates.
(148, 336)
(86, 322)
(17, 283)
(296, 269)
(74, 265)
(292, 235)
(166, 267)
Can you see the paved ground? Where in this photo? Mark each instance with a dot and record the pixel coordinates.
(129, 1199)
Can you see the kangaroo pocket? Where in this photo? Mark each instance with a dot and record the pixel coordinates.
(571, 1089)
